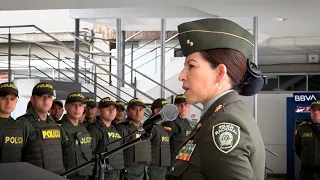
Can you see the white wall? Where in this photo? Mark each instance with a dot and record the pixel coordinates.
(272, 124)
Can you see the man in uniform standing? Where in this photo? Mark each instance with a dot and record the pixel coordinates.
(56, 110)
(160, 146)
(307, 144)
(91, 112)
(180, 128)
(103, 133)
(41, 136)
(76, 140)
(11, 138)
(136, 157)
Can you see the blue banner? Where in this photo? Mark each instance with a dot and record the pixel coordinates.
(302, 101)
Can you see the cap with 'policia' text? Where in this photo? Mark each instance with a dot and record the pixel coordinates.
(158, 103)
(42, 89)
(8, 88)
(315, 105)
(106, 102)
(135, 102)
(180, 98)
(120, 105)
(90, 102)
(75, 97)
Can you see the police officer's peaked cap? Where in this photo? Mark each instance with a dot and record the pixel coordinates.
(75, 97)
(180, 98)
(135, 102)
(121, 105)
(214, 33)
(90, 102)
(315, 104)
(8, 88)
(42, 89)
(158, 103)
(106, 102)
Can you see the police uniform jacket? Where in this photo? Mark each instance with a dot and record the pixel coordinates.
(307, 148)
(11, 141)
(42, 142)
(226, 144)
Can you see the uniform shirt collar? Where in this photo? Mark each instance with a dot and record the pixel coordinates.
(214, 99)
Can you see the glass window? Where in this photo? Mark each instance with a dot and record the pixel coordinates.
(314, 82)
(272, 83)
(292, 82)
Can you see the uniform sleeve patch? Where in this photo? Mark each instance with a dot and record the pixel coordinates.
(226, 136)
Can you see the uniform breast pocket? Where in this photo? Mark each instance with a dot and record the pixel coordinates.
(306, 141)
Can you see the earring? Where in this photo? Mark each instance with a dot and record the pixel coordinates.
(218, 85)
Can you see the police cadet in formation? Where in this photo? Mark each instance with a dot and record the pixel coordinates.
(41, 136)
(11, 137)
(226, 144)
(56, 110)
(307, 145)
(137, 157)
(180, 128)
(76, 140)
(160, 146)
(91, 112)
(103, 133)
(121, 112)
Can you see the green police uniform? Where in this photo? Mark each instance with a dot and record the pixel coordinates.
(11, 137)
(307, 148)
(178, 129)
(136, 157)
(160, 147)
(41, 137)
(226, 143)
(76, 143)
(103, 140)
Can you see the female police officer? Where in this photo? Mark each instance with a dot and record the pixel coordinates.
(226, 143)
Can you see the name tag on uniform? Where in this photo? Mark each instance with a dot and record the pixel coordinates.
(13, 140)
(306, 135)
(187, 133)
(50, 134)
(114, 135)
(186, 151)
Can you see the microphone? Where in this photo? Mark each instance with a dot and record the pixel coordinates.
(169, 112)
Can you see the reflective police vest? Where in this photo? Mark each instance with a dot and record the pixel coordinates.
(160, 147)
(139, 154)
(43, 148)
(11, 141)
(109, 135)
(176, 141)
(78, 149)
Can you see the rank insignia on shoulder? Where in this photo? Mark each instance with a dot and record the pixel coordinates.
(218, 108)
(168, 129)
(226, 136)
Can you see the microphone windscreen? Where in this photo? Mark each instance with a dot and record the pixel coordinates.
(169, 112)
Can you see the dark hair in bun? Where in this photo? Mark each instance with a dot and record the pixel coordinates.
(246, 78)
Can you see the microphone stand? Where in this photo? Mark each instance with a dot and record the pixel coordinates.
(99, 159)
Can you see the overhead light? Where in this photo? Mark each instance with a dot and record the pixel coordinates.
(278, 19)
